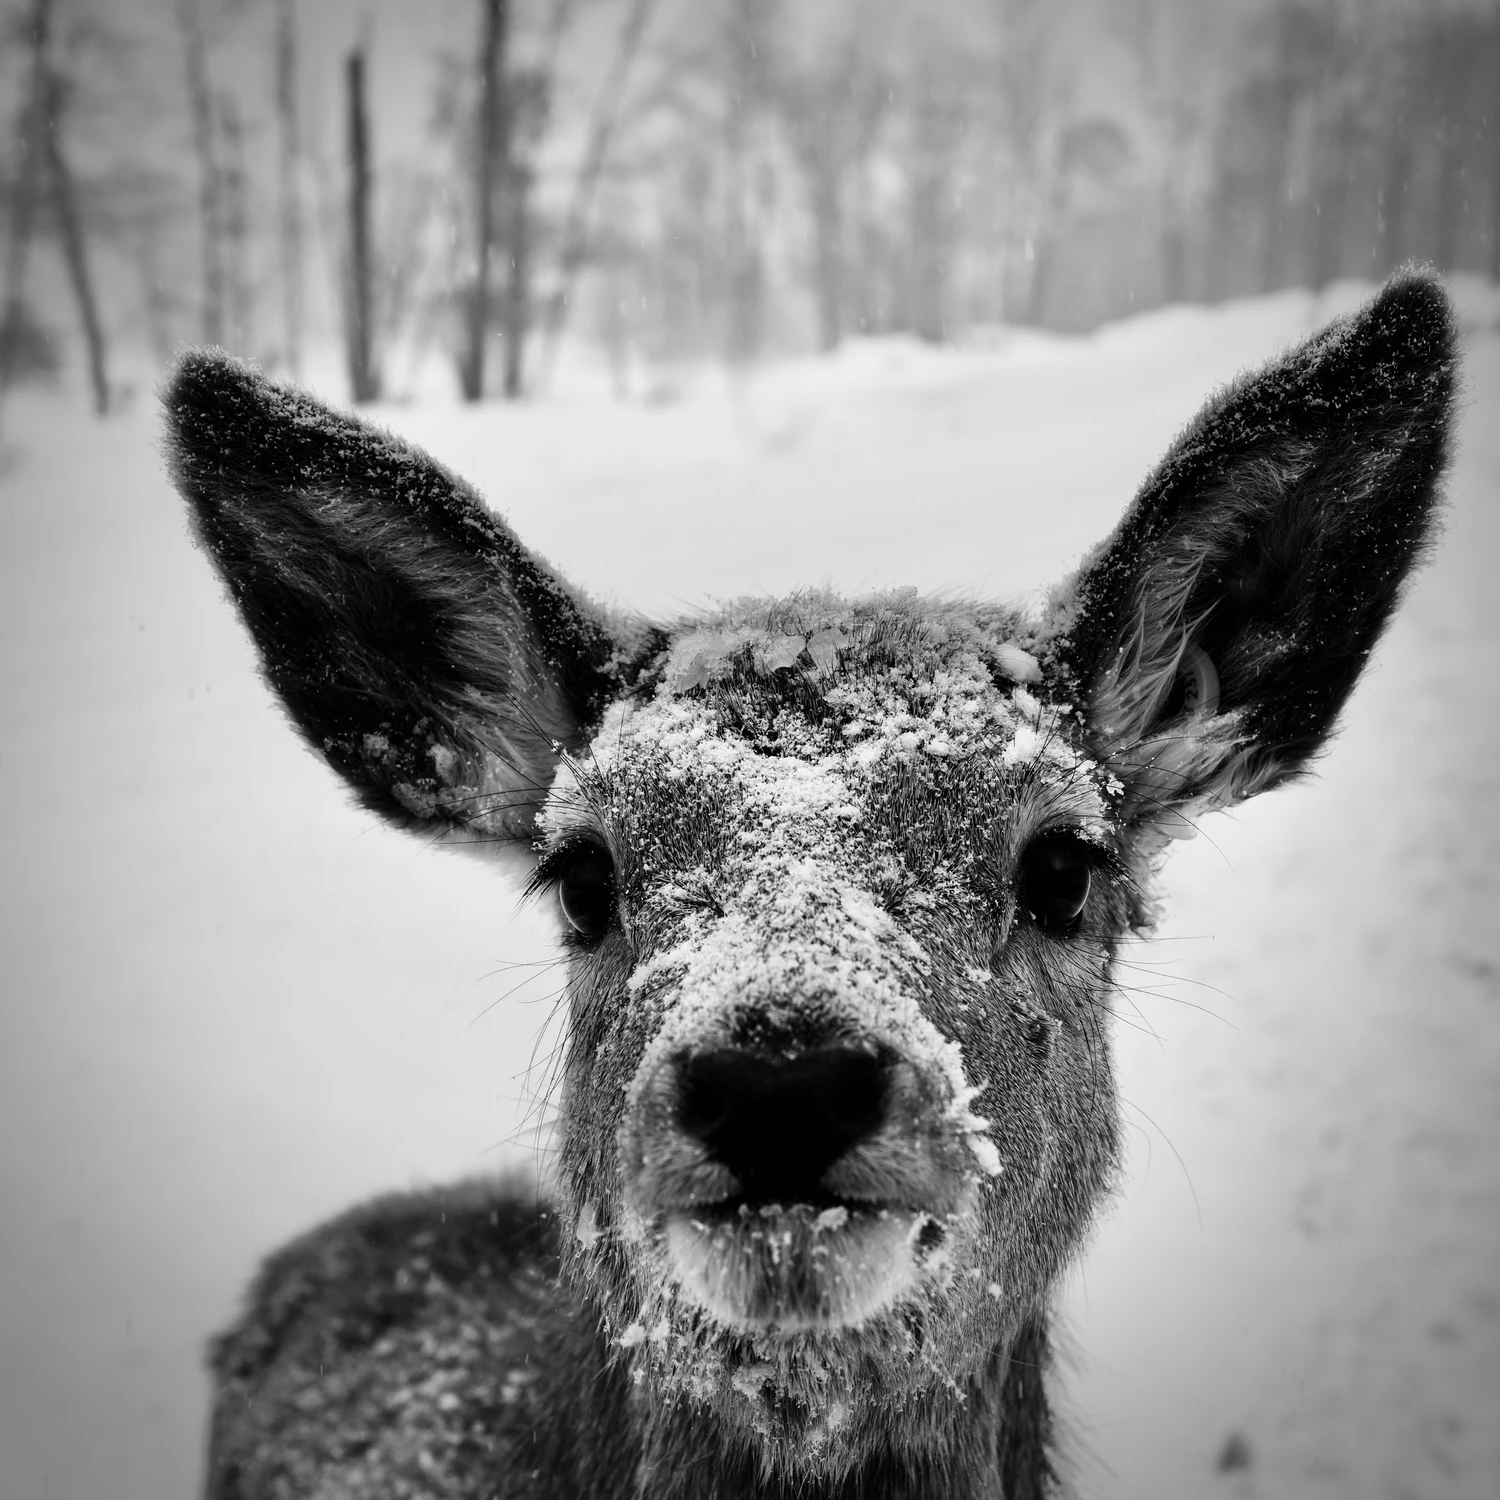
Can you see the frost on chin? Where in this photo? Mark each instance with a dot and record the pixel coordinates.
(784, 1271)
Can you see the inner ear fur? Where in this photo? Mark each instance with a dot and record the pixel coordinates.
(416, 644)
(1274, 538)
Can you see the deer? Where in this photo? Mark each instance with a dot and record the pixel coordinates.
(840, 886)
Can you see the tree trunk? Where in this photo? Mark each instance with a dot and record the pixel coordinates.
(1494, 112)
(30, 127)
(489, 158)
(210, 187)
(235, 208)
(70, 227)
(290, 207)
(363, 383)
(516, 309)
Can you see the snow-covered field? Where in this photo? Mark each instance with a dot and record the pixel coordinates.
(232, 1004)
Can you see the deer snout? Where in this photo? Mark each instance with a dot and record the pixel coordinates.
(797, 1187)
(723, 1126)
(780, 1124)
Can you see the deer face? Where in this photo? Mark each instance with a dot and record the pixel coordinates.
(842, 922)
(842, 881)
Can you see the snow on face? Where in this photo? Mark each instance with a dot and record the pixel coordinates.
(813, 823)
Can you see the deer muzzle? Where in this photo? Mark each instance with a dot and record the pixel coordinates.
(794, 1187)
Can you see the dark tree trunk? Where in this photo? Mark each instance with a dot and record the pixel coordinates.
(70, 228)
(210, 185)
(515, 311)
(492, 156)
(363, 382)
(290, 207)
(25, 193)
(1492, 71)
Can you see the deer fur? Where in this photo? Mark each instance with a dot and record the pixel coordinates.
(845, 879)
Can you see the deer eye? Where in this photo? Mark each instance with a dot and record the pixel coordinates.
(1055, 875)
(586, 892)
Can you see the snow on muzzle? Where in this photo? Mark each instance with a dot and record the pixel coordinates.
(802, 1157)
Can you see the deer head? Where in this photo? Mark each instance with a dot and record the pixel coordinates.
(841, 882)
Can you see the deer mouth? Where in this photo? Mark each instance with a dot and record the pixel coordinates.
(784, 1193)
(781, 1270)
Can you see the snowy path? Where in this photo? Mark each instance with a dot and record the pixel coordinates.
(232, 1004)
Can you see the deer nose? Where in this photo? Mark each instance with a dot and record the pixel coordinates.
(780, 1123)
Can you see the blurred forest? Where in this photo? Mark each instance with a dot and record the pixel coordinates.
(669, 183)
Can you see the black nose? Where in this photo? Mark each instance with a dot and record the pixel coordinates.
(779, 1124)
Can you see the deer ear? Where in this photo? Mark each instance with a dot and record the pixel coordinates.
(430, 658)
(1216, 634)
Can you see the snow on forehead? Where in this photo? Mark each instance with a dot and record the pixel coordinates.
(889, 688)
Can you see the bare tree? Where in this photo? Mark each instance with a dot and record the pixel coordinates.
(364, 383)
(1492, 106)
(210, 177)
(70, 228)
(45, 169)
(15, 324)
(491, 151)
(289, 219)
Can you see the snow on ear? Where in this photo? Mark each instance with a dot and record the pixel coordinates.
(1217, 633)
(428, 656)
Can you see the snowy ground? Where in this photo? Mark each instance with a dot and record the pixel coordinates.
(231, 1004)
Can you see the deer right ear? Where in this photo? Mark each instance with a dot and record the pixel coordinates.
(1216, 635)
(433, 661)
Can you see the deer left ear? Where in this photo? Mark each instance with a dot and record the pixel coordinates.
(1216, 634)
